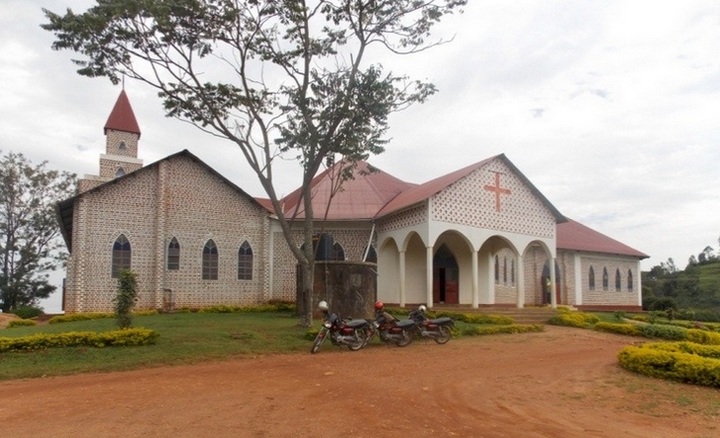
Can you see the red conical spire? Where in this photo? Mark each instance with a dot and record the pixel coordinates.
(122, 117)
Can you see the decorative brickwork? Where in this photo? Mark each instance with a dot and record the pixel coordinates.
(186, 202)
(405, 219)
(470, 202)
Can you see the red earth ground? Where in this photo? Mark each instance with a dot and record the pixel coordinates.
(561, 383)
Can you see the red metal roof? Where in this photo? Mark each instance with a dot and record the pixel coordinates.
(359, 198)
(575, 236)
(122, 117)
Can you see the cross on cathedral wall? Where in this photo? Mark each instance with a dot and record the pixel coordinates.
(497, 189)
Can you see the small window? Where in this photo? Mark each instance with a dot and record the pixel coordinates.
(121, 256)
(173, 255)
(245, 261)
(605, 279)
(122, 146)
(512, 272)
(497, 270)
(338, 252)
(630, 281)
(371, 254)
(618, 281)
(591, 278)
(210, 261)
(119, 172)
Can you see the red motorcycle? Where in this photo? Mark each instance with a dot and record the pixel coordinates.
(438, 329)
(388, 329)
(351, 333)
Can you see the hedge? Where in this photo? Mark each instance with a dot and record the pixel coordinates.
(126, 337)
(629, 329)
(21, 323)
(682, 362)
(479, 330)
(575, 319)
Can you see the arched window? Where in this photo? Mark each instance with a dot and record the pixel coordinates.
(122, 146)
(338, 252)
(371, 254)
(245, 261)
(497, 270)
(605, 279)
(618, 280)
(210, 261)
(512, 272)
(119, 172)
(173, 255)
(630, 281)
(505, 270)
(591, 278)
(121, 255)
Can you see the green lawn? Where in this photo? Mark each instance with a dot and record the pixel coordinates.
(184, 338)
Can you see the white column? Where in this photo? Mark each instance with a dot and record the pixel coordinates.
(578, 280)
(553, 295)
(490, 280)
(520, 274)
(475, 286)
(429, 275)
(402, 278)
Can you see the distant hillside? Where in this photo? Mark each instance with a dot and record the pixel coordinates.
(697, 287)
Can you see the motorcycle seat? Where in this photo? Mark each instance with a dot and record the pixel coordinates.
(405, 323)
(354, 323)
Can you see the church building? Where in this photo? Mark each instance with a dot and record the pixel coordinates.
(482, 235)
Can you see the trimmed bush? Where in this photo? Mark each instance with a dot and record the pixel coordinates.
(27, 312)
(663, 331)
(21, 323)
(629, 329)
(703, 337)
(80, 317)
(575, 319)
(126, 337)
(658, 361)
(479, 330)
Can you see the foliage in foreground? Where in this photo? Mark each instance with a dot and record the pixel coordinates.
(681, 361)
(126, 337)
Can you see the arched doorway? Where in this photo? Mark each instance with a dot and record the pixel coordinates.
(445, 276)
(545, 282)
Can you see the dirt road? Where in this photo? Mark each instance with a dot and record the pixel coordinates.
(561, 383)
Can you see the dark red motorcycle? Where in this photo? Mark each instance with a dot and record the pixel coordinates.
(438, 329)
(351, 333)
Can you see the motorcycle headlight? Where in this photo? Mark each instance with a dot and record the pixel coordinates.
(327, 324)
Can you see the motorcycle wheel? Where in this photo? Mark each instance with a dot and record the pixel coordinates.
(318, 341)
(405, 340)
(444, 334)
(362, 340)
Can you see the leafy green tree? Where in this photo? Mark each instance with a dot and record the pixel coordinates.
(125, 299)
(280, 79)
(29, 233)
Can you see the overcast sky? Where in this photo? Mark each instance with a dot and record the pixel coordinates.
(610, 108)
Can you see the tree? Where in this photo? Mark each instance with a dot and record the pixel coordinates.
(29, 231)
(669, 266)
(125, 299)
(277, 78)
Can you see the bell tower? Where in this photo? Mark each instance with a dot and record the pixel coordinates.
(122, 135)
